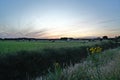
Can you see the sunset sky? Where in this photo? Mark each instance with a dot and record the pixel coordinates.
(59, 18)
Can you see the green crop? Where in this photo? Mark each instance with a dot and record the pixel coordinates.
(15, 46)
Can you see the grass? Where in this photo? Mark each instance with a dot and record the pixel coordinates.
(15, 46)
(26, 59)
(107, 67)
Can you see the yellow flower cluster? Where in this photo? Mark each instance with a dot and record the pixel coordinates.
(56, 65)
(95, 50)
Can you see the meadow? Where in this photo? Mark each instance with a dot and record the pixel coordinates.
(25, 60)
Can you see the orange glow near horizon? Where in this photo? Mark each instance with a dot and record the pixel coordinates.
(76, 34)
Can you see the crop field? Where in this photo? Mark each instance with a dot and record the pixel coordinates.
(26, 60)
(15, 46)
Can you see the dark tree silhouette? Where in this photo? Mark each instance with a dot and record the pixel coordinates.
(105, 37)
(63, 38)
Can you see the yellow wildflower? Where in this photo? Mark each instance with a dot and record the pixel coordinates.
(56, 64)
(95, 50)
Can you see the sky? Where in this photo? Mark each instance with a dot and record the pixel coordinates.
(59, 18)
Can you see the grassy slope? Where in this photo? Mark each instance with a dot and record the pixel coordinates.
(104, 66)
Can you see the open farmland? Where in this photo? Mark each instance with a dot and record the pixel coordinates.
(15, 46)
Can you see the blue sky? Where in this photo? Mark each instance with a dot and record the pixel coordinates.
(59, 18)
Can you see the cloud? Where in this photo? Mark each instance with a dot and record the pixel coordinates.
(7, 32)
(35, 34)
(109, 21)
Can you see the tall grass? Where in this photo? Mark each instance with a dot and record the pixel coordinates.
(107, 67)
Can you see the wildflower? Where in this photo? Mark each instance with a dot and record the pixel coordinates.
(56, 65)
(99, 49)
(92, 50)
(92, 77)
(95, 50)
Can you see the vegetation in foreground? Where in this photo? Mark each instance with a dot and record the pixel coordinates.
(100, 66)
(25, 64)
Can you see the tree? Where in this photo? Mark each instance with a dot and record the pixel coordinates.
(105, 37)
(117, 38)
(63, 38)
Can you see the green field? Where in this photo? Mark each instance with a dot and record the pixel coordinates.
(15, 46)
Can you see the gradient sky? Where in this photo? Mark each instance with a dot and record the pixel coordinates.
(59, 18)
